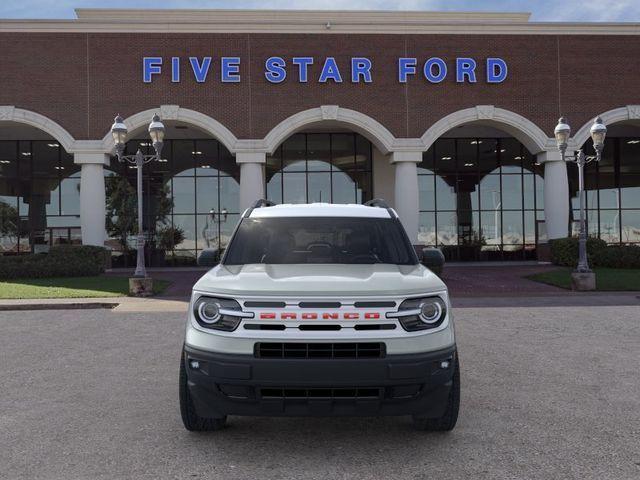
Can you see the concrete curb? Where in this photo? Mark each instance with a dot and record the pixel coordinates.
(57, 306)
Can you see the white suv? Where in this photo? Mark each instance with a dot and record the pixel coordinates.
(319, 309)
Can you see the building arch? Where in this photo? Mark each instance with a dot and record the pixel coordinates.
(524, 130)
(363, 124)
(10, 113)
(180, 114)
(616, 115)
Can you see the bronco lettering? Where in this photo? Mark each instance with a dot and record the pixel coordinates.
(316, 316)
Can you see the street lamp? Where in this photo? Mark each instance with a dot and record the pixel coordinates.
(598, 132)
(119, 133)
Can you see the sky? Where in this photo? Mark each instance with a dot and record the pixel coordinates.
(542, 10)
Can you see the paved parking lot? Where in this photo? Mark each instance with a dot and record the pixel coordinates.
(547, 393)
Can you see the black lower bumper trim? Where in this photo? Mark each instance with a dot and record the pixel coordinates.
(223, 384)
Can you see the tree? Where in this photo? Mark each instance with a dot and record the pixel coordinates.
(8, 220)
(122, 208)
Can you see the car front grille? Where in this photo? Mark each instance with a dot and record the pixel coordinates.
(330, 393)
(320, 350)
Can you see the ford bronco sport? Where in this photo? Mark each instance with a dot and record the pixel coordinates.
(319, 309)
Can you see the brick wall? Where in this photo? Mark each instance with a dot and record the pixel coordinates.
(82, 80)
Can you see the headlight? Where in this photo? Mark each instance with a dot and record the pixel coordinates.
(420, 313)
(218, 313)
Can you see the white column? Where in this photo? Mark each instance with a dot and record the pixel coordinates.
(92, 197)
(556, 194)
(251, 177)
(406, 191)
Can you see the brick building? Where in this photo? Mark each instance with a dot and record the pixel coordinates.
(448, 116)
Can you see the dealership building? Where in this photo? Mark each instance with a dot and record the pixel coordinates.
(447, 116)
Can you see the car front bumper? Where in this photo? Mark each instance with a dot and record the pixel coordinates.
(229, 384)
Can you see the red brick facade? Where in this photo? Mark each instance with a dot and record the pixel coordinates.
(80, 80)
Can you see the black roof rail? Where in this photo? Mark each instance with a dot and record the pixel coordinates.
(376, 202)
(263, 202)
(381, 203)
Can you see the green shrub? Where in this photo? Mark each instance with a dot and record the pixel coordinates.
(61, 261)
(564, 251)
(618, 256)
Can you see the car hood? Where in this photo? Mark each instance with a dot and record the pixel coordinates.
(319, 280)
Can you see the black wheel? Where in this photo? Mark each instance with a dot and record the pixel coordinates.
(190, 418)
(447, 421)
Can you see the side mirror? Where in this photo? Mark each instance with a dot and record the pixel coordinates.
(209, 257)
(433, 259)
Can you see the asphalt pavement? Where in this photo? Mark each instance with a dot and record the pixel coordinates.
(547, 392)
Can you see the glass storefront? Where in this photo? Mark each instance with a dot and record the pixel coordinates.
(39, 196)
(612, 189)
(480, 199)
(320, 167)
(191, 201)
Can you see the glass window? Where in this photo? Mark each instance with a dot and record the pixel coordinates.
(206, 195)
(445, 156)
(630, 226)
(229, 194)
(206, 157)
(630, 190)
(445, 194)
(487, 155)
(343, 151)
(294, 188)
(70, 196)
(490, 192)
(467, 192)
(426, 187)
(344, 188)
(183, 195)
(610, 226)
(313, 240)
(427, 164)
(512, 192)
(491, 224)
(530, 228)
(274, 188)
(447, 228)
(45, 158)
(320, 186)
(427, 228)
(188, 225)
(327, 167)
(363, 153)
(467, 154)
(512, 231)
(294, 153)
(183, 153)
(8, 159)
(319, 152)
(511, 155)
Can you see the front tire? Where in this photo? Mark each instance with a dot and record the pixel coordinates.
(446, 422)
(190, 418)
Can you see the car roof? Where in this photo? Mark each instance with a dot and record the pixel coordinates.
(320, 210)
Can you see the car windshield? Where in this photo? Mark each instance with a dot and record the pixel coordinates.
(344, 240)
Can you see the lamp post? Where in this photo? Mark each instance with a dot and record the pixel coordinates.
(156, 132)
(583, 278)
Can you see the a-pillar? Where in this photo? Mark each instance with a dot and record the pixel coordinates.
(251, 177)
(556, 194)
(92, 196)
(406, 190)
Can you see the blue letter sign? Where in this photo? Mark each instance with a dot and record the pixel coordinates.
(150, 66)
(496, 70)
(325, 70)
(275, 69)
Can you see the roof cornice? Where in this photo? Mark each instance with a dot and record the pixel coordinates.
(317, 22)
